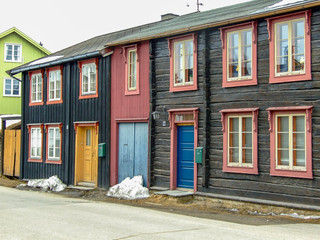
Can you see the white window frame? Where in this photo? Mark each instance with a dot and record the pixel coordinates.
(55, 131)
(35, 142)
(90, 81)
(290, 167)
(57, 73)
(38, 78)
(183, 42)
(11, 89)
(132, 65)
(239, 32)
(240, 163)
(13, 45)
(290, 54)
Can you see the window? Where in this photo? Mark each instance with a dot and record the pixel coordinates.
(13, 52)
(132, 70)
(239, 47)
(290, 141)
(289, 41)
(183, 63)
(54, 132)
(240, 140)
(54, 76)
(11, 88)
(88, 78)
(35, 142)
(36, 88)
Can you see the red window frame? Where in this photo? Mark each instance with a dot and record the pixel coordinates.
(41, 71)
(47, 126)
(225, 114)
(171, 42)
(48, 70)
(290, 77)
(80, 64)
(253, 80)
(30, 126)
(272, 113)
(126, 56)
(173, 121)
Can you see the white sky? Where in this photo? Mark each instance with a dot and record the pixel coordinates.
(62, 23)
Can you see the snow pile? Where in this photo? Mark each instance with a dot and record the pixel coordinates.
(129, 189)
(296, 215)
(52, 184)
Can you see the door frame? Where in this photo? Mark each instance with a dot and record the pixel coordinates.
(95, 125)
(173, 142)
(129, 120)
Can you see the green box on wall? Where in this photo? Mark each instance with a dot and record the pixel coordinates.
(199, 151)
(101, 149)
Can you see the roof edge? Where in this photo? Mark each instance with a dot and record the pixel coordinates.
(217, 24)
(52, 63)
(26, 37)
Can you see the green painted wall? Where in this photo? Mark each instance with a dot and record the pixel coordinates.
(12, 105)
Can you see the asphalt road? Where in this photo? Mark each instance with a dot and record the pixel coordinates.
(36, 215)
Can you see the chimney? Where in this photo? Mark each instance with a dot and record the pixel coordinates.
(168, 16)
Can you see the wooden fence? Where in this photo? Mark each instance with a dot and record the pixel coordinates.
(11, 157)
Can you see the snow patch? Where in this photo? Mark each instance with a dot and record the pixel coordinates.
(52, 184)
(129, 189)
(45, 60)
(278, 5)
(284, 2)
(293, 215)
(296, 215)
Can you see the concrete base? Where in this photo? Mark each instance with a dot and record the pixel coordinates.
(175, 193)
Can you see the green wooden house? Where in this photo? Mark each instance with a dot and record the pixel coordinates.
(16, 48)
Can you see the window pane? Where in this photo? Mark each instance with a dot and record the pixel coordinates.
(298, 46)
(299, 158)
(85, 87)
(246, 37)
(9, 53)
(234, 155)
(246, 51)
(298, 124)
(57, 152)
(234, 124)
(247, 140)
(283, 31)
(283, 157)
(298, 28)
(51, 152)
(233, 40)
(246, 155)
(178, 62)
(283, 124)
(234, 139)
(298, 141)
(88, 137)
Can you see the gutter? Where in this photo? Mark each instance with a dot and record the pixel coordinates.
(216, 24)
(49, 64)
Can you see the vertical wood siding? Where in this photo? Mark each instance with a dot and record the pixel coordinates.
(127, 107)
(71, 110)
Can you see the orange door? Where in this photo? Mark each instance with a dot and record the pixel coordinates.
(86, 155)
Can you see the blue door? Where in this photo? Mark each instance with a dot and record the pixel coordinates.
(185, 156)
(133, 151)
